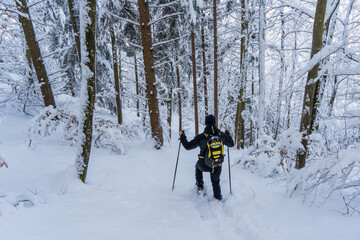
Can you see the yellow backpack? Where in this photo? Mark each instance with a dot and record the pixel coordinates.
(214, 154)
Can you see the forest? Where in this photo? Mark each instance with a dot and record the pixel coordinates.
(283, 77)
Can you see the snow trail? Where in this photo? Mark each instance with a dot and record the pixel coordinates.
(130, 197)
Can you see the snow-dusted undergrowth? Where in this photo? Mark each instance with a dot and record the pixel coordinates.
(65, 122)
(328, 179)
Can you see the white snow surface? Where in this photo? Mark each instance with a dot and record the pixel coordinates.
(129, 197)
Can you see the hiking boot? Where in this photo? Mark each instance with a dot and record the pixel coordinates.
(200, 191)
(220, 197)
(200, 185)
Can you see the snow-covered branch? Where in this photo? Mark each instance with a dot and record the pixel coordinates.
(167, 41)
(296, 7)
(123, 19)
(164, 4)
(324, 53)
(164, 17)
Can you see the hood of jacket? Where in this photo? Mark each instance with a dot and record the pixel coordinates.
(211, 129)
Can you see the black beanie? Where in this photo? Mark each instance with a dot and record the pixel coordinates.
(210, 120)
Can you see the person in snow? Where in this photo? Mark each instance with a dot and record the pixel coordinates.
(201, 141)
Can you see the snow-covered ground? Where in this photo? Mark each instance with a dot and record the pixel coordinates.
(129, 197)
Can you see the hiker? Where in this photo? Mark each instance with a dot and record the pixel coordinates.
(201, 141)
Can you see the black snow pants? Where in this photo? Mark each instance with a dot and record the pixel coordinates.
(214, 175)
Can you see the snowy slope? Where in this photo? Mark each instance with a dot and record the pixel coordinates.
(130, 197)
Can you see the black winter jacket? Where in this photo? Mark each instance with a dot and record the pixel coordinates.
(201, 140)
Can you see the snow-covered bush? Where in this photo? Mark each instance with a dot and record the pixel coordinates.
(106, 133)
(336, 178)
(269, 158)
(261, 158)
(287, 147)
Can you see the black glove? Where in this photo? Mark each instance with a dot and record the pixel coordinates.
(182, 134)
(227, 132)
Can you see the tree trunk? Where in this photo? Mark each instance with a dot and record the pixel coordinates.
(179, 93)
(262, 83)
(204, 69)
(194, 81)
(30, 76)
(35, 53)
(169, 111)
(151, 90)
(343, 41)
(116, 76)
(240, 121)
(30, 72)
(251, 108)
(137, 87)
(87, 21)
(75, 29)
(216, 112)
(293, 71)
(307, 115)
(332, 96)
(282, 72)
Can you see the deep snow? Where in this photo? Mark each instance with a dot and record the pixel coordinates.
(129, 197)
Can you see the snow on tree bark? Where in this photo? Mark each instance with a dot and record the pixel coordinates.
(146, 38)
(282, 72)
(87, 98)
(262, 83)
(75, 28)
(35, 53)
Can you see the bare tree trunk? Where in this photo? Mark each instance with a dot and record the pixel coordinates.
(116, 76)
(35, 53)
(204, 69)
(137, 86)
(194, 82)
(156, 129)
(179, 93)
(75, 29)
(169, 110)
(87, 18)
(307, 115)
(216, 112)
(240, 122)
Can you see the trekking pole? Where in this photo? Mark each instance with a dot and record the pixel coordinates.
(229, 169)
(177, 160)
